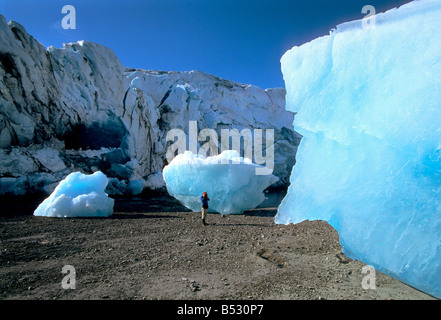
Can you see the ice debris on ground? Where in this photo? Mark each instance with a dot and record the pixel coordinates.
(78, 195)
(368, 105)
(230, 181)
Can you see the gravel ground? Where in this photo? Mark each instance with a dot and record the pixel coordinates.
(155, 249)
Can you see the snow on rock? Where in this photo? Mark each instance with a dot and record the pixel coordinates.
(369, 111)
(230, 181)
(78, 195)
(77, 108)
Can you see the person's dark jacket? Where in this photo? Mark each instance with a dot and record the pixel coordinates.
(204, 202)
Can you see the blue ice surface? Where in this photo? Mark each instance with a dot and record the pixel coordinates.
(78, 195)
(368, 105)
(230, 181)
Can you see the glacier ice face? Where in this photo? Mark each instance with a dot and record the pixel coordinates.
(369, 110)
(77, 101)
(230, 181)
(78, 195)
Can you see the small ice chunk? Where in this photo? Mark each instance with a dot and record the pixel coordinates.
(78, 195)
(136, 186)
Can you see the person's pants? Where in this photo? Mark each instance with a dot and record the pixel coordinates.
(204, 212)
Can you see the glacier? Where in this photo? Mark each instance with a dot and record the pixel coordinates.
(78, 195)
(368, 105)
(229, 179)
(78, 108)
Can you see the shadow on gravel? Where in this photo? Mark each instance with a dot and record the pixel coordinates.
(139, 216)
(131, 207)
(157, 203)
(262, 212)
(11, 206)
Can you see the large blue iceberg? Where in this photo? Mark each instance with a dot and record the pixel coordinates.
(230, 181)
(368, 103)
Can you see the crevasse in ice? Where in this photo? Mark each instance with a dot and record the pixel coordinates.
(230, 181)
(368, 105)
(78, 195)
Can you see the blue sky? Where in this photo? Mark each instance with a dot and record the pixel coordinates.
(239, 40)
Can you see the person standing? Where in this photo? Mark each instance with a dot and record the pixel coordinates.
(204, 207)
